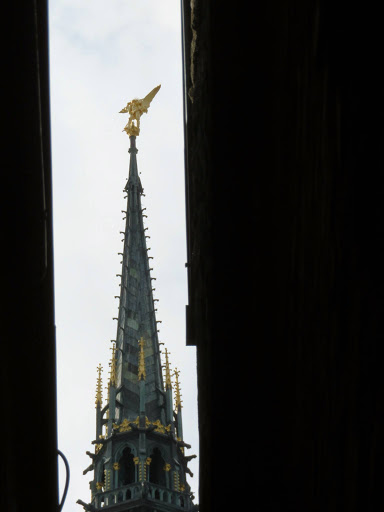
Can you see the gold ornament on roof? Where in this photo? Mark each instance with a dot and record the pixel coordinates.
(176, 481)
(125, 426)
(162, 429)
(141, 372)
(168, 382)
(99, 393)
(159, 426)
(136, 108)
(178, 400)
(98, 447)
(181, 447)
(112, 364)
(107, 477)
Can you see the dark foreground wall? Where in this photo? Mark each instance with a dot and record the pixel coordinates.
(284, 166)
(28, 453)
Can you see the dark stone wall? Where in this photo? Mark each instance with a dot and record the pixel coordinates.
(28, 458)
(285, 247)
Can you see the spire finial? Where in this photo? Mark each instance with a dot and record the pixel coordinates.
(99, 394)
(177, 389)
(136, 108)
(168, 383)
(112, 364)
(141, 372)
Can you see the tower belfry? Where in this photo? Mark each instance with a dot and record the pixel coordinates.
(138, 462)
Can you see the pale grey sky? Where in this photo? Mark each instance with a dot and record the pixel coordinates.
(102, 55)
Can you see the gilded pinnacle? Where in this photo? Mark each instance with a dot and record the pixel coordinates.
(113, 366)
(136, 108)
(177, 389)
(168, 383)
(141, 372)
(107, 388)
(99, 394)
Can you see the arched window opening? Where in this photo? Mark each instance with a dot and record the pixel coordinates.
(156, 469)
(127, 468)
(128, 495)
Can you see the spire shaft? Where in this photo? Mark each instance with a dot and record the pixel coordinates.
(136, 318)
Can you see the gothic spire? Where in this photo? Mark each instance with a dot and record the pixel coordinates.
(136, 318)
(142, 451)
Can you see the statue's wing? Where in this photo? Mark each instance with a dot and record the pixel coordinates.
(124, 110)
(149, 97)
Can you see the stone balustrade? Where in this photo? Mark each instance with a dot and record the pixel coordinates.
(156, 493)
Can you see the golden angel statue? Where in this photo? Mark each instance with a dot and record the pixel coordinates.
(136, 109)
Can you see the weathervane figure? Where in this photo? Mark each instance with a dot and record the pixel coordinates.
(136, 109)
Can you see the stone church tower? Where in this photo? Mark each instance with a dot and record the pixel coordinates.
(138, 461)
